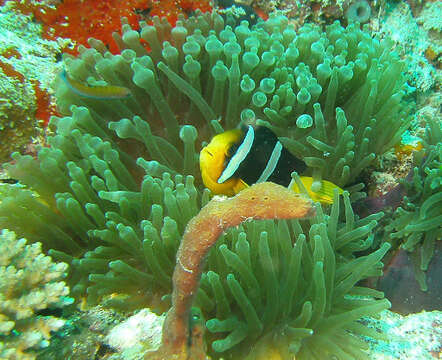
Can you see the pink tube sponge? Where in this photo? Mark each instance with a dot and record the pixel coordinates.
(259, 202)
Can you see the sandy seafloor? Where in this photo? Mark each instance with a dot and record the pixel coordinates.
(416, 336)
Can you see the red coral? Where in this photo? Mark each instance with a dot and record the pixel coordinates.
(10, 71)
(172, 8)
(42, 98)
(10, 52)
(82, 19)
(45, 109)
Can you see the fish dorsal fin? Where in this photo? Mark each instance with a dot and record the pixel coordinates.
(239, 156)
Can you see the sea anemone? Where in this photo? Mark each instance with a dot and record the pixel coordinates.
(115, 189)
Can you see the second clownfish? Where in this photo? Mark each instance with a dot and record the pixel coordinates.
(238, 158)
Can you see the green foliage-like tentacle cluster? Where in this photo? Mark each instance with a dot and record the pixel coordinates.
(113, 193)
(334, 97)
(290, 285)
(416, 225)
(97, 221)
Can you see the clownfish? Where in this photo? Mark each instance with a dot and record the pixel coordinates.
(237, 158)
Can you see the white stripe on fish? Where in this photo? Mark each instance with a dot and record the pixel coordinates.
(239, 156)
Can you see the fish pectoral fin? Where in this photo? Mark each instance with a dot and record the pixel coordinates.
(240, 185)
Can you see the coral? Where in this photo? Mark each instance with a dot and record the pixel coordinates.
(17, 108)
(172, 8)
(30, 282)
(82, 336)
(430, 16)
(258, 202)
(79, 20)
(234, 12)
(143, 327)
(430, 20)
(411, 42)
(419, 334)
(26, 70)
(43, 101)
(317, 11)
(416, 225)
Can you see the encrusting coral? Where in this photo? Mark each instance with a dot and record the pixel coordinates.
(29, 282)
(115, 189)
(17, 109)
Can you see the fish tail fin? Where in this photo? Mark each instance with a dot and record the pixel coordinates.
(326, 192)
(324, 195)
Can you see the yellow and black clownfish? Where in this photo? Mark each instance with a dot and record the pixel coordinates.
(238, 158)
